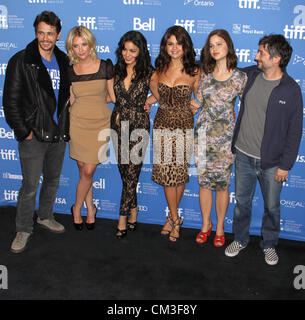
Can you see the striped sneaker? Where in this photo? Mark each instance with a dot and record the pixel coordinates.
(233, 249)
(271, 256)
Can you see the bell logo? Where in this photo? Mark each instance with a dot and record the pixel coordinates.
(6, 134)
(101, 184)
(150, 25)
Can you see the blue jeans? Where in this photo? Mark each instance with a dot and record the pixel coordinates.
(38, 158)
(247, 172)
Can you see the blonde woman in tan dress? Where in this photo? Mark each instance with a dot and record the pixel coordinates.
(91, 81)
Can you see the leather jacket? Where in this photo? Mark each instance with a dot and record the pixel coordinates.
(29, 101)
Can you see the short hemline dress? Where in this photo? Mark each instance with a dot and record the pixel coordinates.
(173, 136)
(214, 129)
(90, 115)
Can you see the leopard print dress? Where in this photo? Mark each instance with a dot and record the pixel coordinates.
(172, 136)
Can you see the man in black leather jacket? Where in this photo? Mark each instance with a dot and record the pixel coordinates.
(35, 103)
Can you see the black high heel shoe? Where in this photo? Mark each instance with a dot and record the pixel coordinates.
(123, 233)
(90, 226)
(77, 226)
(131, 226)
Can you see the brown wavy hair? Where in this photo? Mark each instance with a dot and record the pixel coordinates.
(207, 62)
(189, 63)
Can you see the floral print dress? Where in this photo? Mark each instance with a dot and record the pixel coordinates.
(214, 128)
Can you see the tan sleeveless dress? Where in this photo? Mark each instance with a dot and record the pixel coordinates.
(90, 114)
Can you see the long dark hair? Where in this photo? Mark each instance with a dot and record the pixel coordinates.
(208, 62)
(189, 63)
(143, 62)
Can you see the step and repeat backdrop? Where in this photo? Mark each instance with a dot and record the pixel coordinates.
(246, 21)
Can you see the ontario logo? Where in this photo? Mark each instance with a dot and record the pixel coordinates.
(200, 3)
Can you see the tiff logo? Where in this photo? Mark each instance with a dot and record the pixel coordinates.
(248, 4)
(3, 68)
(8, 154)
(294, 32)
(297, 30)
(3, 277)
(88, 22)
(133, 2)
(10, 195)
(3, 17)
(188, 25)
(232, 197)
(139, 187)
(243, 55)
(180, 211)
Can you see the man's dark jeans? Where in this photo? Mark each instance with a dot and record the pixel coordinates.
(38, 158)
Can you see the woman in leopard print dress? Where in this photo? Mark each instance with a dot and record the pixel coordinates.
(175, 79)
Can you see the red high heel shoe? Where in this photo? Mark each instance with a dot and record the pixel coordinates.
(202, 237)
(219, 241)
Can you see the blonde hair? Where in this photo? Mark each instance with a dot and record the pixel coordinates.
(85, 33)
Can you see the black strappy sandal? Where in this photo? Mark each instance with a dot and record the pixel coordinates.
(122, 234)
(169, 221)
(131, 226)
(176, 225)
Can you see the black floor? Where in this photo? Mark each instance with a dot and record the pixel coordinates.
(143, 266)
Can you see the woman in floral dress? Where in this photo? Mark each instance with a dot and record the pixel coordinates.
(220, 84)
